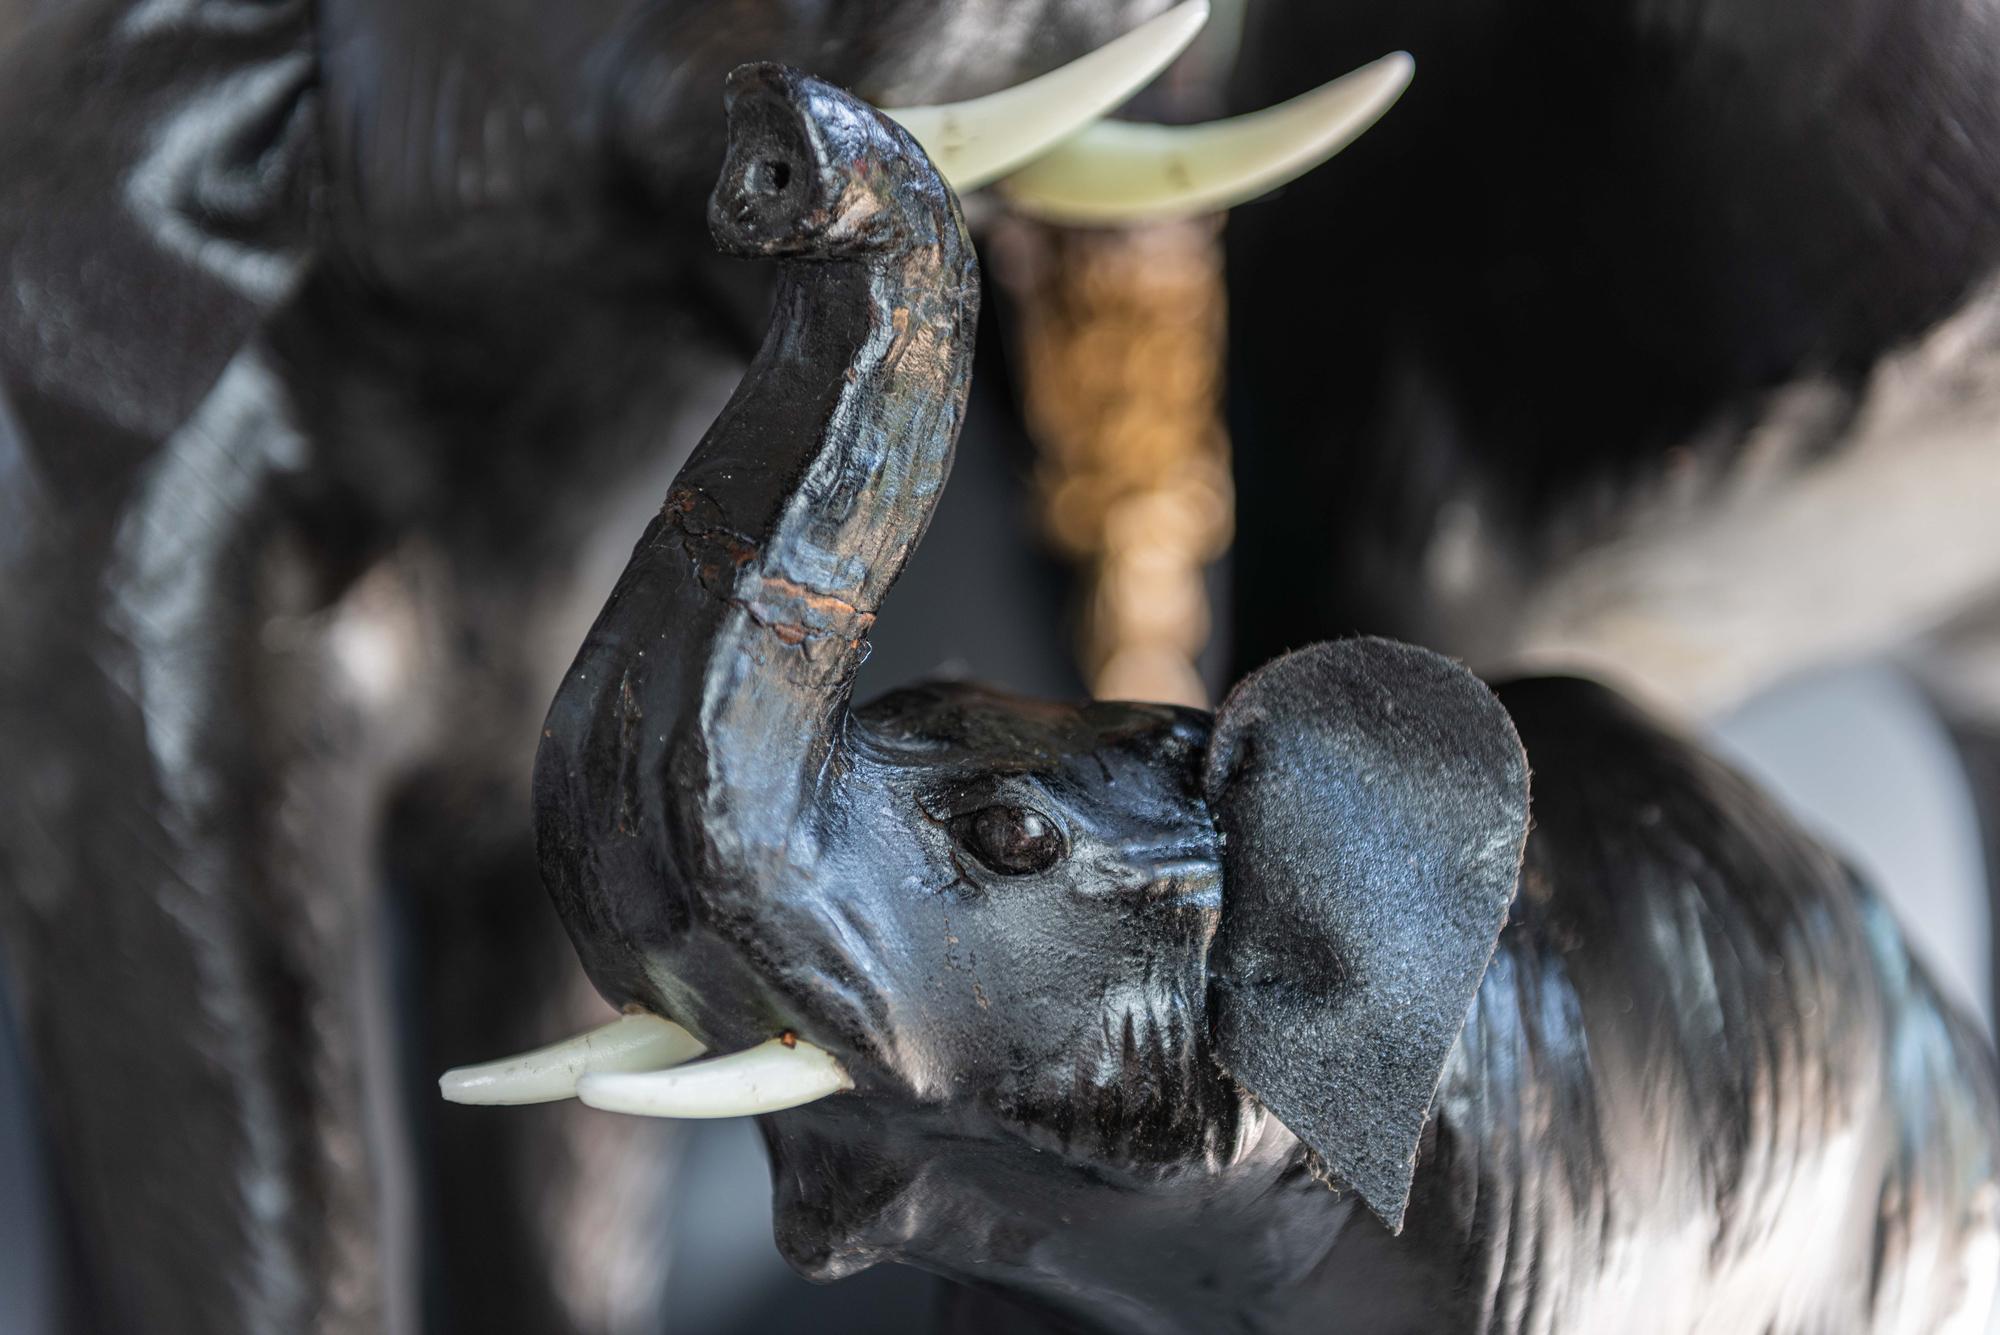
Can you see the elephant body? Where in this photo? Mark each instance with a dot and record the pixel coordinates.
(1705, 1087)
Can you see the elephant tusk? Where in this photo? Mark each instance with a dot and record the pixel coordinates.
(782, 1073)
(1119, 172)
(976, 142)
(633, 1043)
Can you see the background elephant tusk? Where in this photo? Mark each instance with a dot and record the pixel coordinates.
(632, 1043)
(769, 1077)
(1118, 172)
(976, 142)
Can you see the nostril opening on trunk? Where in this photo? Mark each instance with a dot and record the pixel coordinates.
(769, 176)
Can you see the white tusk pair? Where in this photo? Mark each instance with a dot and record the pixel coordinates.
(644, 1064)
(1056, 156)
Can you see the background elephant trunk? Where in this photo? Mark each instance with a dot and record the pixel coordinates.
(710, 700)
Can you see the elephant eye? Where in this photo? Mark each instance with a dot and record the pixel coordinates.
(1014, 841)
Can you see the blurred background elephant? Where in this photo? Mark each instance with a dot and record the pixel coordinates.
(298, 296)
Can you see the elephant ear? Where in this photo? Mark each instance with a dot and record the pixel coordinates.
(1374, 802)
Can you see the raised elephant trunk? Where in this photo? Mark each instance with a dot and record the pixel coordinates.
(711, 699)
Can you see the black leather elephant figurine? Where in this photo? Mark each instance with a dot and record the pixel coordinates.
(1300, 1017)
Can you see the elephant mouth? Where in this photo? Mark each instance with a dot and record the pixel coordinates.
(740, 1053)
(649, 1066)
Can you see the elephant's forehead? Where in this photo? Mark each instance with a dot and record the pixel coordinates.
(957, 721)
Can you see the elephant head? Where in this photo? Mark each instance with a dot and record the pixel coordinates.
(972, 956)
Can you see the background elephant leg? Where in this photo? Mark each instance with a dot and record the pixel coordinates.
(189, 984)
(188, 750)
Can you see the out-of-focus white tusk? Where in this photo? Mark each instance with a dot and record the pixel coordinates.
(972, 143)
(1120, 172)
(762, 1079)
(634, 1043)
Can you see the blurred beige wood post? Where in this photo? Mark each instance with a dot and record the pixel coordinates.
(1121, 342)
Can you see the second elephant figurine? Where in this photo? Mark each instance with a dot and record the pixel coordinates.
(1135, 1019)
